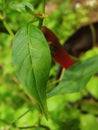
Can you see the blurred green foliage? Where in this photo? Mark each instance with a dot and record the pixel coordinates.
(76, 111)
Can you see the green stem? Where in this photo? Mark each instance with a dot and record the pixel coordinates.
(4, 19)
(14, 122)
(40, 23)
(4, 8)
(42, 19)
(44, 2)
(8, 29)
(93, 34)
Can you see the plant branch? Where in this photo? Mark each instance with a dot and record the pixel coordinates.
(14, 121)
(43, 15)
(8, 29)
(93, 34)
(44, 2)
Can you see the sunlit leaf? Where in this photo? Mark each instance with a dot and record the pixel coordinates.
(31, 56)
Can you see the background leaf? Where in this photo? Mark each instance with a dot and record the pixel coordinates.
(25, 6)
(31, 56)
(77, 77)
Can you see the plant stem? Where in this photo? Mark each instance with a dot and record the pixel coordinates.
(40, 23)
(8, 29)
(13, 122)
(44, 1)
(93, 34)
(43, 13)
(4, 19)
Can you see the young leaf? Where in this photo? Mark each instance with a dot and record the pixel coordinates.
(31, 56)
(24, 7)
(76, 77)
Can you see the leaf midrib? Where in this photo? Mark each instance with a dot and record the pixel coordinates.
(29, 48)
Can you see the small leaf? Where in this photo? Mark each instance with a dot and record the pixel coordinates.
(77, 77)
(24, 7)
(31, 56)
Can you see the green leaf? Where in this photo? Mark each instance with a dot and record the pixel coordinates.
(77, 77)
(31, 56)
(24, 7)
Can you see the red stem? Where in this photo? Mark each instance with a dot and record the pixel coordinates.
(59, 54)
